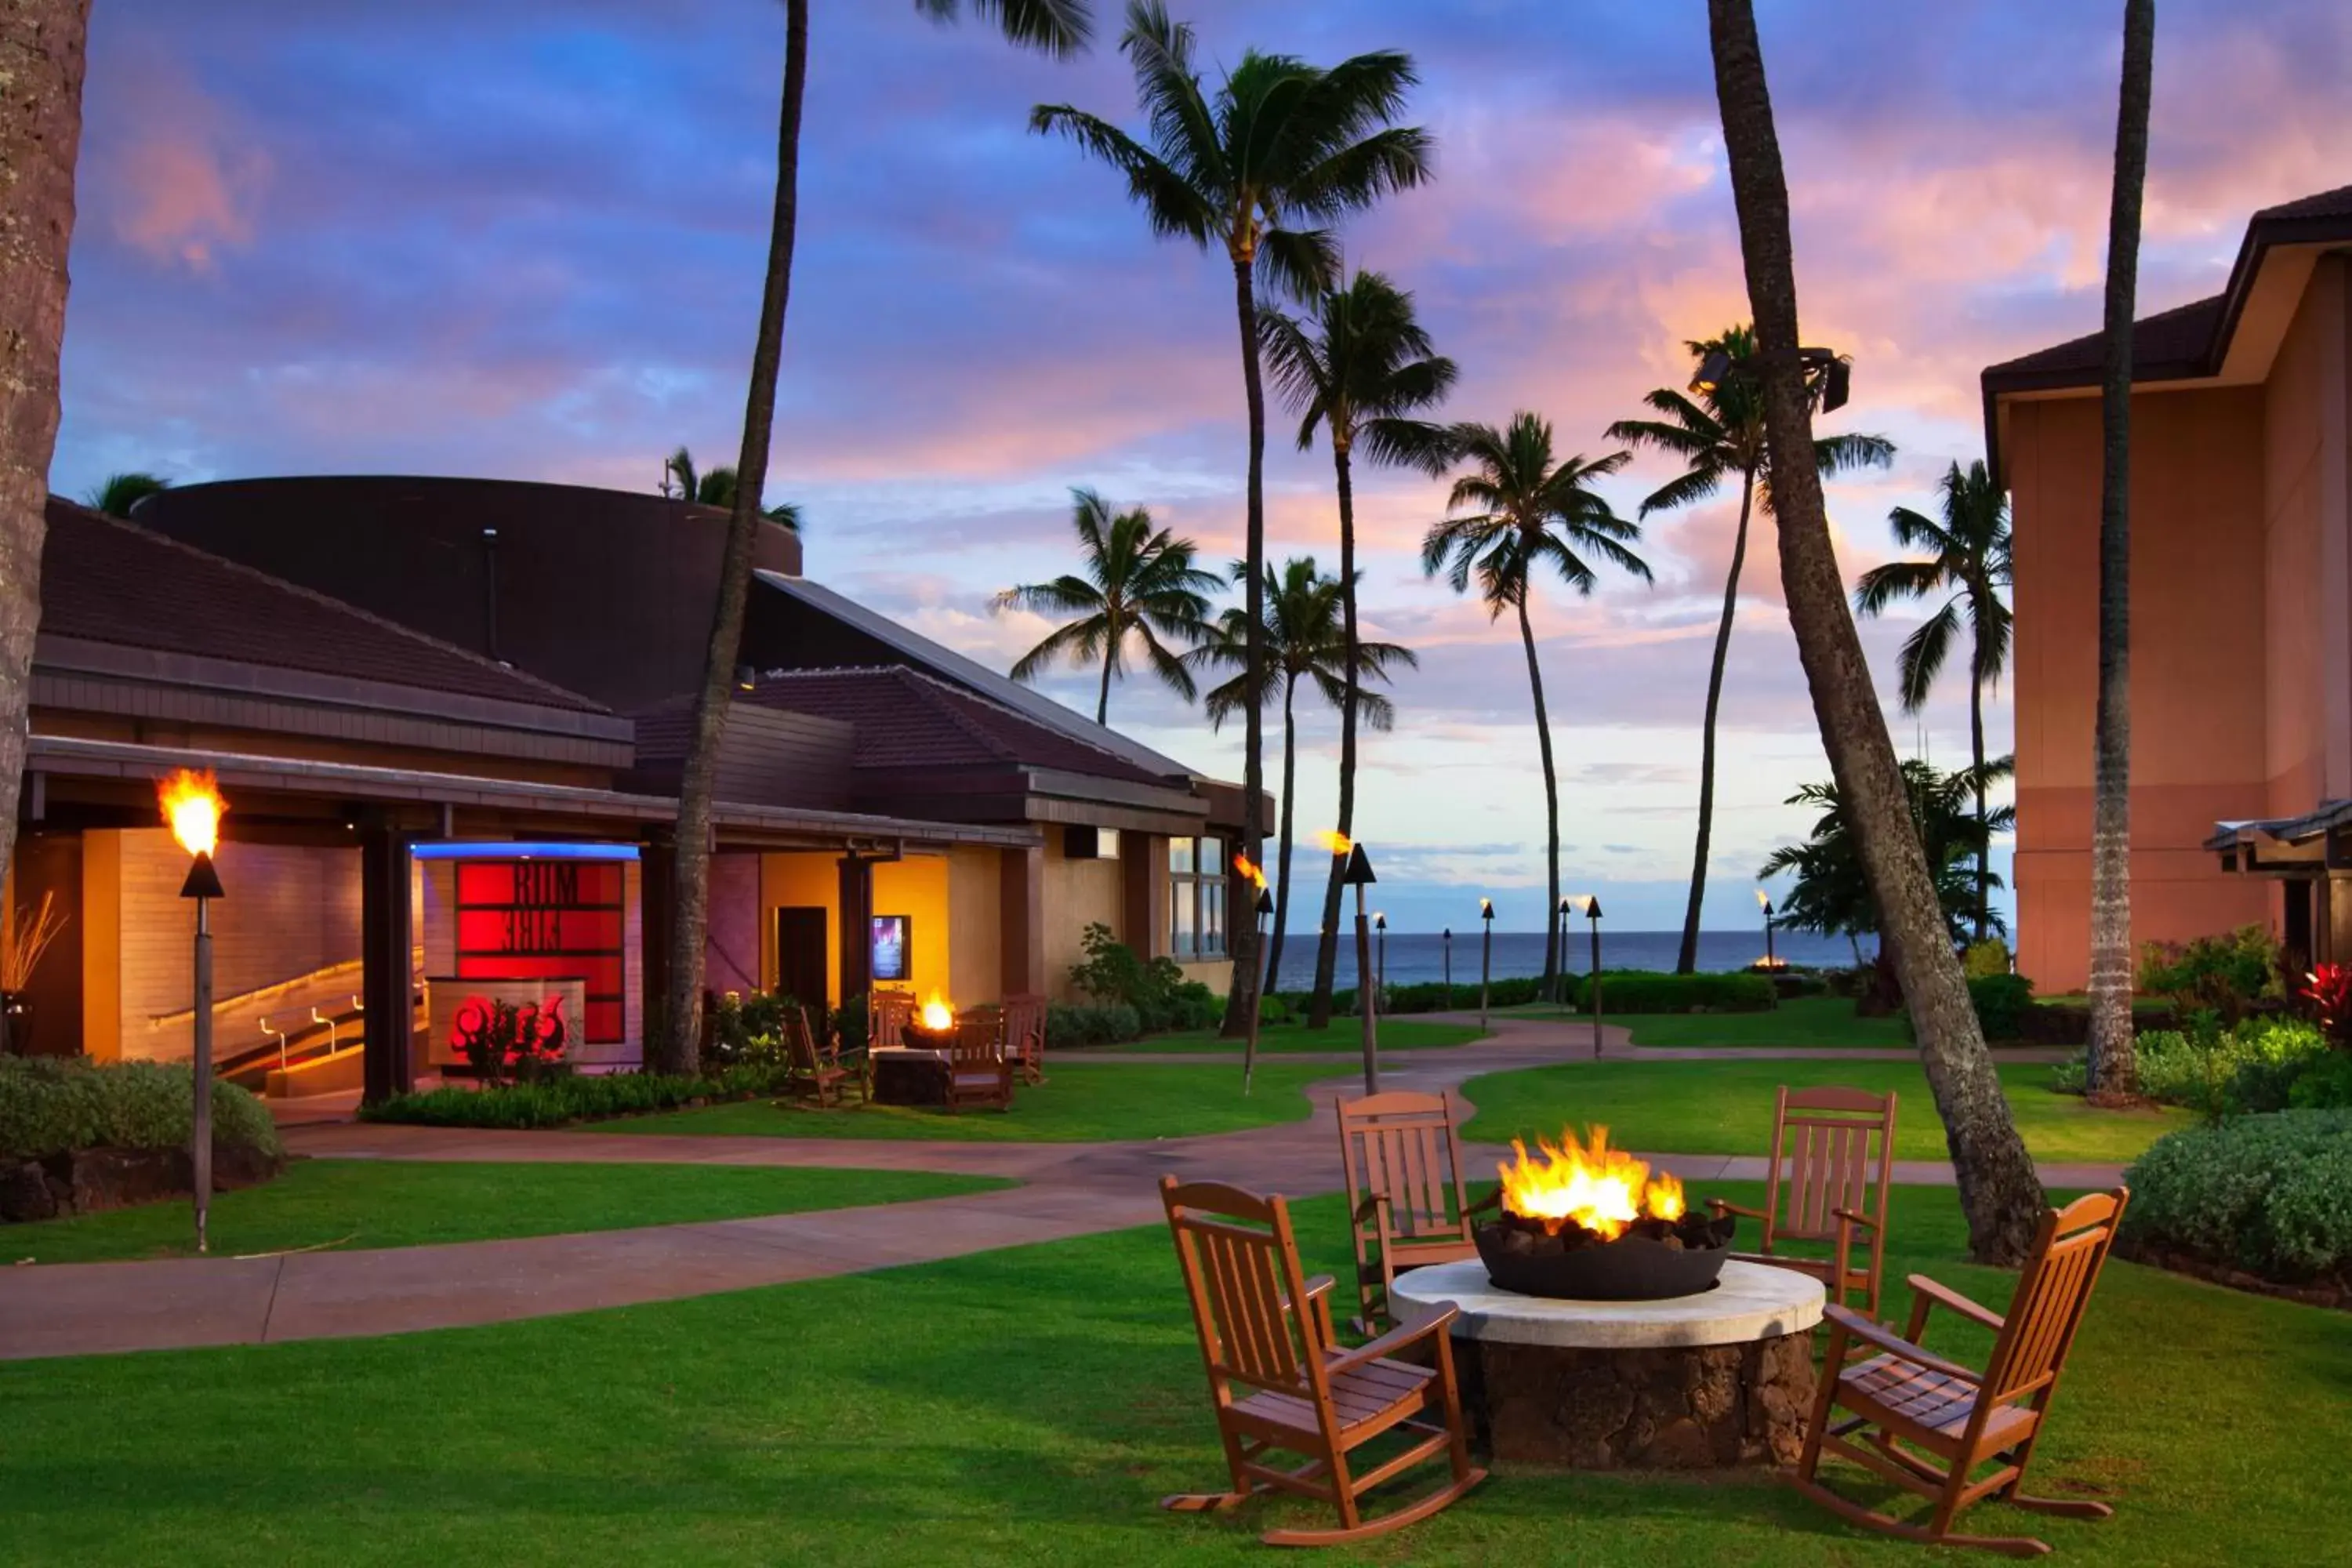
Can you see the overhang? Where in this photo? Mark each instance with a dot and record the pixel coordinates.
(2314, 844)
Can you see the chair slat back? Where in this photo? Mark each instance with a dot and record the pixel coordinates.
(1831, 1149)
(1023, 1016)
(888, 1014)
(1241, 1269)
(2068, 1249)
(800, 1041)
(979, 1038)
(1404, 1146)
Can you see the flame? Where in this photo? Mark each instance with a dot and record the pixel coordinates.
(938, 1014)
(192, 808)
(1335, 841)
(1763, 900)
(1603, 1189)
(1249, 869)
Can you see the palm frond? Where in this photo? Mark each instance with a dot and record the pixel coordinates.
(1882, 586)
(1923, 655)
(1056, 27)
(1173, 206)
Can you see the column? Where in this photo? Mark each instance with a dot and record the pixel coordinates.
(1021, 893)
(387, 985)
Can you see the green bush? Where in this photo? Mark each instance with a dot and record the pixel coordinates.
(2264, 1065)
(2271, 1195)
(49, 1105)
(2001, 1002)
(1271, 1010)
(1090, 1024)
(1649, 991)
(1985, 958)
(748, 1029)
(2227, 973)
(1155, 990)
(849, 1026)
(582, 1098)
(1431, 995)
(2323, 1084)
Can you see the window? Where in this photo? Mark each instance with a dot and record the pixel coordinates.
(1196, 899)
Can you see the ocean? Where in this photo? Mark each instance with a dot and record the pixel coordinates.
(1417, 956)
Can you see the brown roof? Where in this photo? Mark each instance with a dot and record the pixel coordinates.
(107, 581)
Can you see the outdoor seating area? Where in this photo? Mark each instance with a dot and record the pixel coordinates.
(920, 1057)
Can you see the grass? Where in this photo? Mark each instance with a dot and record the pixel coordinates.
(1078, 1102)
(1799, 1021)
(1725, 1107)
(365, 1203)
(1341, 1035)
(1031, 1406)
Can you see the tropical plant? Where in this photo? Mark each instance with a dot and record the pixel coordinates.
(122, 492)
(1364, 369)
(1305, 639)
(1138, 581)
(716, 487)
(2221, 975)
(1718, 432)
(1967, 558)
(2112, 1067)
(1532, 510)
(1278, 141)
(1999, 1190)
(1056, 27)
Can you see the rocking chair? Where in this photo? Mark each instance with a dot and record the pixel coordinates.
(1405, 1204)
(1833, 1156)
(1949, 1419)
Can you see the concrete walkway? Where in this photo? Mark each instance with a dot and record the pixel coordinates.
(1068, 1190)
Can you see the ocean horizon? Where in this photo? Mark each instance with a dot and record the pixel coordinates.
(1415, 957)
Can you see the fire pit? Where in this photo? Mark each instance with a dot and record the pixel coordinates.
(1588, 1224)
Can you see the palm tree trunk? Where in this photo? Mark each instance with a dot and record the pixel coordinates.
(1326, 945)
(41, 59)
(1241, 1001)
(1551, 790)
(2114, 1066)
(690, 900)
(1687, 960)
(1984, 835)
(1999, 1190)
(1110, 657)
(1283, 841)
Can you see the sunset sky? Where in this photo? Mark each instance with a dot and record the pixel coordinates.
(525, 239)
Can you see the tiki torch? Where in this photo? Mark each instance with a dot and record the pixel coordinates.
(192, 808)
(1381, 926)
(1249, 869)
(1445, 957)
(1359, 876)
(1486, 958)
(1560, 925)
(1764, 902)
(1593, 914)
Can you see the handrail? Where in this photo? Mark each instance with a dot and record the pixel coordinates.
(264, 993)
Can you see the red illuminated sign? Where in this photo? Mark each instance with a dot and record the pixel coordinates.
(548, 920)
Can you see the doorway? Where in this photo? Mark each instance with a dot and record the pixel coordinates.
(800, 966)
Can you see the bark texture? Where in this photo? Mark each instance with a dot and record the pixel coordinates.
(41, 59)
(1999, 1190)
(1283, 838)
(1241, 1001)
(1326, 945)
(2114, 1067)
(1551, 793)
(1687, 959)
(690, 904)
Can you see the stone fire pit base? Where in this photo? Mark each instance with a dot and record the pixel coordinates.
(1688, 1408)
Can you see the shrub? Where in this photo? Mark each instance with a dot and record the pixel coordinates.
(2271, 1195)
(849, 1024)
(1271, 1009)
(2001, 1001)
(2328, 989)
(748, 1029)
(49, 1105)
(2254, 1068)
(2227, 973)
(1155, 990)
(504, 1041)
(2324, 1083)
(1985, 958)
(1647, 990)
(1090, 1024)
(581, 1097)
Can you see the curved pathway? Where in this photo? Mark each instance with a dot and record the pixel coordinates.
(1068, 1190)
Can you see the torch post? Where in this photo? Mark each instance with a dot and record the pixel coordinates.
(1592, 915)
(1769, 962)
(1445, 957)
(1485, 959)
(203, 885)
(1360, 876)
(1381, 929)
(1561, 989)
(1264, 907)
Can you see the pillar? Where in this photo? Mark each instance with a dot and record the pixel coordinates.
(1021, 894)
(387, 983)
(856, 911)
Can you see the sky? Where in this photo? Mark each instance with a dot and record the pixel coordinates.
(526, 240)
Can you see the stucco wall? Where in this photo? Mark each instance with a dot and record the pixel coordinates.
(1077, 893)
(2308, 699)
(976, 951)
(917, 886)
(801, 881)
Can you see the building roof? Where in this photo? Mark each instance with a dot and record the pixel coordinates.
(107, 581)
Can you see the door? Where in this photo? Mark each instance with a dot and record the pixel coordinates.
(801, 967)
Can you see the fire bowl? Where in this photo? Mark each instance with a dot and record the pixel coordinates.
(1653, 1260)
(923, 1039)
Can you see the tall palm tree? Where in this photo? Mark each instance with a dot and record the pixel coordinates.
(1533, 511)
(1139, 580)
(1365, 369)
(1056, 27)
(716, 487)
(122, 492)
(2113, 1062)
(1278, 141)
(1720, 436)
(41, 56)
(1999, 1190)
(1307, 637)
(1968, 554)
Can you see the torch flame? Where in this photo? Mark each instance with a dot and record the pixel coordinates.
(1336, 842)
(1249, 869)
(1603, 1189)
(1763, 899)
(192, 806)
(938, 1014)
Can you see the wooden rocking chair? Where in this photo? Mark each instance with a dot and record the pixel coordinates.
(1833, 1156)
(887, 1014)
(978, 1073)
(1952, 1420)
(1024, 1036)
(814, 1075)
(1404, 1160)
(1281, 1382)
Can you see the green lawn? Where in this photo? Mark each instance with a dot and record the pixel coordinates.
(367, 1203)
(1340, 1035)
(1078, 1102)
(1800, 1021)
(1030, 1407)
(1725, 1106)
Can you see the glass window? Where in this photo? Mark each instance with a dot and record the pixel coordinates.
(1196, 899)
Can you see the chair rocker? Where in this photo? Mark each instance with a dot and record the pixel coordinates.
(1403, 1161)
(1832, 1158)
(811, 1075)
(1281, 1382)
(1927, 1425)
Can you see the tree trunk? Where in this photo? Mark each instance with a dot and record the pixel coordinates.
(41, 61)
(1110, 657)
(1240, 1002)
(2114, 1066)
(690, 901)
(1283, 839)
(1999, 1190)
(1984, 834)
(1327, 945)
(1551, 792)
(1686, 960)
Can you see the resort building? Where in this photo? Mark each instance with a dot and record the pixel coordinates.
(449, 718)
(2241, 606)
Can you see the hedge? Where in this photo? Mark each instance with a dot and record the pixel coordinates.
(2001, 1002)
(2270, 1195)
(581, 1097)
(1648, 991)
(51, 1105)
(1071, 1023)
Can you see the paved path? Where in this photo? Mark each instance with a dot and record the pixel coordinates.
(1068, 1190)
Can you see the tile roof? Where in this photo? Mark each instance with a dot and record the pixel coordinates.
(107, 581)
(2168, 344)
(2336, 203)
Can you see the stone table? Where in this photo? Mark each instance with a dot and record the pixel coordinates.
(1710, 1381)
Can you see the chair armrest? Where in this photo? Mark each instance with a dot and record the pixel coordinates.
(1319, 1295)
(1371, 1206)
(1853, 1325)
(1393, 1342)
(1862, 1220)
(1925, 1291)
(1722, 1207)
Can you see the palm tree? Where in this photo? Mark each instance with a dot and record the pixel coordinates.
(1307, 638)
(716, 487)
(1533, 511)
(122, 492)
(2114, 1063)
(1279, 140)
(1720, 436)
(1365, 369)
(1139, 580)
(1968, 554)
(1057, 28)
(1999, 1190)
